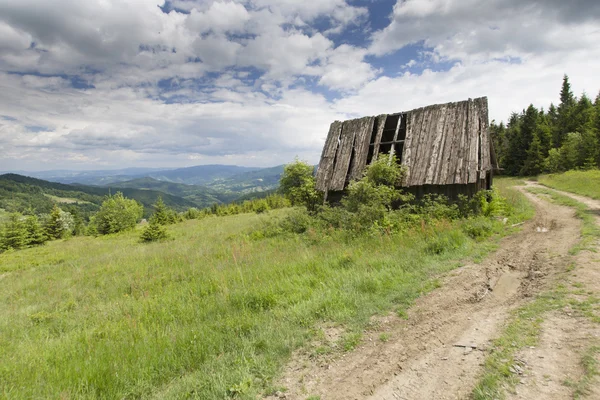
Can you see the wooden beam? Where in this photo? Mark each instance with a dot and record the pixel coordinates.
(380, 125)
(436, 148)
(325, 170)
(392, 150)
(364, 130)
(344, 154)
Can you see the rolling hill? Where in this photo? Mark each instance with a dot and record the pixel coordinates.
(21, 193)
(202, 196)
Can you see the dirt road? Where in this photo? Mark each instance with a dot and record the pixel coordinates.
(437, 353)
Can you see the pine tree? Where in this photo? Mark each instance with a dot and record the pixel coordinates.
(35, 233)
(596, 125)
(54, 228)
(15, 235)
(564, 112)
(153, 231)
(512, 160)
(543, 131)
(583, 115)
(534, 164)
(161, 213)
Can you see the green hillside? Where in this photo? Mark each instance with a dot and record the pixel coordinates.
(201, 174)
(199, 195)
(249, 182)
(20, 193)
(215, 312)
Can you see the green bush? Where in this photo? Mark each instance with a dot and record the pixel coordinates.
(15, 234)
(261, 207)
(58, 224)
(153, 231)
(478, 228)
(35, 233)
(297, 184)
(117, 214)
(445, 241)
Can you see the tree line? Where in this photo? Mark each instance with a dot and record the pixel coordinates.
(558, 139)
(117, 213)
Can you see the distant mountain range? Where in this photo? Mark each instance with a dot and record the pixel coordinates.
(180, 188)
(198, 175)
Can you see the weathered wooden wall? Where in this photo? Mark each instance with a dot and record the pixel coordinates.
(445, 144)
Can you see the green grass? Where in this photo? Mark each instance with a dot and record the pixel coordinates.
(523, 330)
(585, 183)
(210, 314)
(520, 208)
(589, 364)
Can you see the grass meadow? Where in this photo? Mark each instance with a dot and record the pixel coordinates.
(211, 313)
(585, 183)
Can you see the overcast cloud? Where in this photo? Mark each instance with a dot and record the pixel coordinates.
(122, 83)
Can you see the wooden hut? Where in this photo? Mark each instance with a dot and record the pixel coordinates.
(446, 149)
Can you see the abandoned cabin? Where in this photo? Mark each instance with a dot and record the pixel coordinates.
(446, 149)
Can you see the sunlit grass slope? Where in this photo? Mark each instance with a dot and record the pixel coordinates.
(210, 314)
(585, 183)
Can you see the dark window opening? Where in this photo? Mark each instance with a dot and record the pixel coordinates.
(385, 148)
(352, 156)
(389, 129)
(398, 148)
(370, 154)
(402, 131)
(374, 133)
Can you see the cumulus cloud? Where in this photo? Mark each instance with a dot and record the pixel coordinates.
(472, 30)
(116, 83)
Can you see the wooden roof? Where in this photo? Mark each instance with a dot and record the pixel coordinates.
(441, 144)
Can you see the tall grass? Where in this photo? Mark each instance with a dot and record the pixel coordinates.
(211, 313)
(585, 183)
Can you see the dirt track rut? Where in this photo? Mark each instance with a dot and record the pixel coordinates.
(438, 351)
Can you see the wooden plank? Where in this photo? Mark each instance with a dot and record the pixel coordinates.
(486, 164)
(449, 134)
(325, 170)
(421, 160)
(462, 175)
(344, 153)
(415, 121)
(436, 158)
(458, 136)
(420, 119)
(442, 169)
(474, 142)
(393, 149)
(470, 144)
(361, 147)
(407, 150)
(380, 125)
(427, 144)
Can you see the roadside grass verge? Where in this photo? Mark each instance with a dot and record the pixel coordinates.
(523, 330)
(521, 208)
(589, 364)
(524, 327)
(211, 313)
(585, 183)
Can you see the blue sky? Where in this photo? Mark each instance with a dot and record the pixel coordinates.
(102, 84)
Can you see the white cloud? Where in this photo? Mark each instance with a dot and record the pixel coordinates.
(476, 31)
(219, 17)
(346, 70)
(234, 81)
